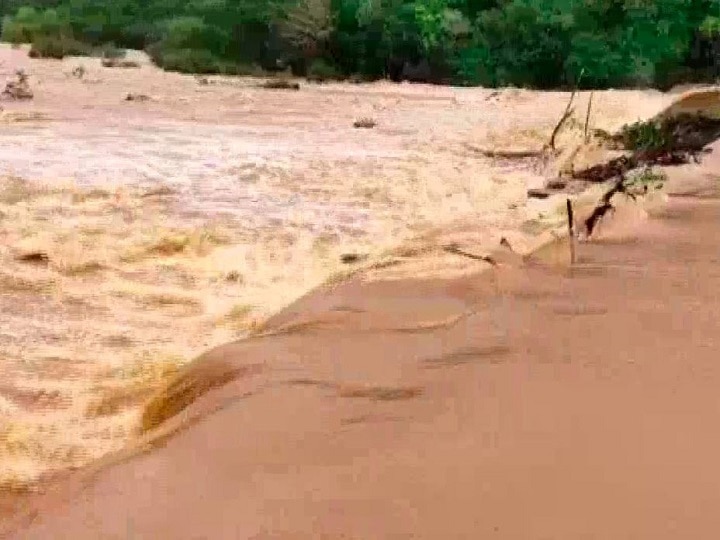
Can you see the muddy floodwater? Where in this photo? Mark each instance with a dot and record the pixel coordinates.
(135, 234)
(538, 399)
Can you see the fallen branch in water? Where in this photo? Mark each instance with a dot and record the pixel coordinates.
(535, 153)
(605, 171)
(452, 248)
(507, 154)
(637, 186)
(604, 206)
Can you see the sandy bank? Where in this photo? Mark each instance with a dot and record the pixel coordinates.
(532, 401)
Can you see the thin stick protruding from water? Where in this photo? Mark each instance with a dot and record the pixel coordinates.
(571, 230)
(587, 116)
(567, 114)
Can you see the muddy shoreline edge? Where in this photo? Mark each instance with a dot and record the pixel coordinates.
(551, 242)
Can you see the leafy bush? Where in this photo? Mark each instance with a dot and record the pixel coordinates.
(57, 48)
(646, 136)
(189, 45)
(184, 33)
(14, 32)
(21, 27)
(710, 26)
(49, 34)
(188, 61)
(320, 70)
(236, 69)
(473, 66)
(47, 48)
(29, 24)
(110, 51)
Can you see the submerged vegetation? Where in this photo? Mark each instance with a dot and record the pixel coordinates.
(665, 140)
(675, 133)
(535, 43)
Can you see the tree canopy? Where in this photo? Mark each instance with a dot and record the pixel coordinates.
(535, 43)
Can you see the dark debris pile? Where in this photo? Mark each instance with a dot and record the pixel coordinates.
(663, 141)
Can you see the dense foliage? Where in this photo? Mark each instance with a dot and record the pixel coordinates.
(538, 43)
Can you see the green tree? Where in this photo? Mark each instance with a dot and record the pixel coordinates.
(540, 43)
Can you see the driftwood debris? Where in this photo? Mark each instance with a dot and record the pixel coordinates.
(352, 258)
(638, 186)
(455, 249)
(19, 88)
(506, 154)
(556, 184)
(538, 193)
(604, 206)
(34, 257)
(137, 97)
(617, 166)
(279, 84)
(606, 171)
(364, 123)
(664, 141)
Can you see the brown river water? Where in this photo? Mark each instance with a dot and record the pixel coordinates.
(136, 235)
(535, 400)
